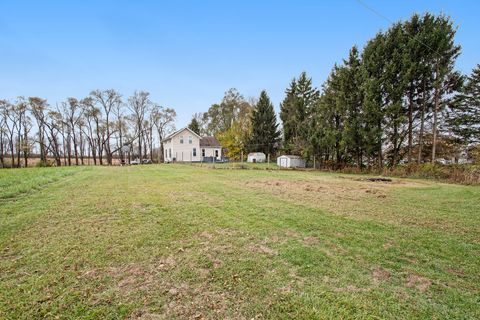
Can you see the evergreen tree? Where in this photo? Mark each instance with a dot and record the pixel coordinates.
(413, 55)
(374, 103)
(296, 112)
(395, 82)
(445, 78)
(327, 121)
(265, 133)
(464, 117)
(194, 126)
(287, 111)
(352, 101)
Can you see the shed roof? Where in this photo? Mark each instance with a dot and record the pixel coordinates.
(256, 154)
(209, 142)
(290, 156)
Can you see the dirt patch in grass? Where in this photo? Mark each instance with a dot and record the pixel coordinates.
(310, 240)
(183, 299)
(362, 200)
(380, 274)
(187, 301)
(200, 302)
(418, 282)
(324, 193)
(206, 235)
(456, 272)
(387, 245)
(347, 187)
(260, 248)
(291, 234)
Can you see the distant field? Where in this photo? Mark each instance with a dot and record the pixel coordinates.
(184, 241)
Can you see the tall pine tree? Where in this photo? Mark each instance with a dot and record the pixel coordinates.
(265, 133)
(352, 101)
(287, 111)
(374, 103)
(194, 126)
(445, 78)
(464, 117)
(296, 113)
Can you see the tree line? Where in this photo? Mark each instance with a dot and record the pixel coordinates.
(398, 100)
(98, 128)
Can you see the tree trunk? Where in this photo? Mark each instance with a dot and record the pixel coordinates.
(75, 151)
(19, 140)
(422, 124)
(19, 149)
(82, 147)
(395, 149)
(94, 153)
(107, 141)
(41, 138)
(139, 143)
(69, 149)
(25, 142)
(64, 147)
(12, 153)
(410, 123)
(380, 155)
(2, 161)
(435, 117)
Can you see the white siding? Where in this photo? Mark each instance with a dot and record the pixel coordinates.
(210, 152)
(189, 150)
(289, 162)
(256, 157)
(182, 152)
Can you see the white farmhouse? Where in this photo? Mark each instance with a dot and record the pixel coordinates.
(185, 145)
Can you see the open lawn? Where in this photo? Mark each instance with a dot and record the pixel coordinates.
(180, 241)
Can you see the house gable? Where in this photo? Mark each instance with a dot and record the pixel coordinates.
(176, 133)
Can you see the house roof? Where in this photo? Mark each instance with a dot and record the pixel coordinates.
(173, 134)
(256, 154)
(209, 142)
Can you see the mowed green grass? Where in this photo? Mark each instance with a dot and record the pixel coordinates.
(180, 241)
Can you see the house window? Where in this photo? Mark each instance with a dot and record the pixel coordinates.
(194, 152)
(181, 139)
(203, 152)
(216, 153)
(190, 139)
(169, 153)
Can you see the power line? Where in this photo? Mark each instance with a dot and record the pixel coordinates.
(379, 14)
(374, 11)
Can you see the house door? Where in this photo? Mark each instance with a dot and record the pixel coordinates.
(283, 162)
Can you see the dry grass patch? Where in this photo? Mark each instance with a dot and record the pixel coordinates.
(380, 274)
(418, 282)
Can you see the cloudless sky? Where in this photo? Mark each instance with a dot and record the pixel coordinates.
(188, 53)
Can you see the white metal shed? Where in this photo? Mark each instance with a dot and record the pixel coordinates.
(256, 157)
(290, 161)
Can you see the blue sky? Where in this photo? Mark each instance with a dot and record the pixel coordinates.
(188, 53)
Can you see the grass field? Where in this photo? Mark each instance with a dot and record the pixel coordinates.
(179, 241)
